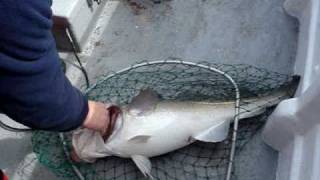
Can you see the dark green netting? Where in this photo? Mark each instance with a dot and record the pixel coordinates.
(172, 81)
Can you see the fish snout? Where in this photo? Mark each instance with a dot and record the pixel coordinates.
(114, 112)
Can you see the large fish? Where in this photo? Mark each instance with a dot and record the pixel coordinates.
(149, 127)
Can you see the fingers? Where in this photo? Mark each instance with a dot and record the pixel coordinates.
(97, 117)
(101, 118)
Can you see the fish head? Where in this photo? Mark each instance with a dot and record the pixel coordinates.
(88, 144)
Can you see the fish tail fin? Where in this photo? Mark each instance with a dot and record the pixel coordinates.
(144, 165)
(256, 106)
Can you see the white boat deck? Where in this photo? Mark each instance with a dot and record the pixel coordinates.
(258, 32)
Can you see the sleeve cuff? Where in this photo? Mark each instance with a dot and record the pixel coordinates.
(82, 116)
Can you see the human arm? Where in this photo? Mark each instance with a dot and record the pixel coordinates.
(33, 89)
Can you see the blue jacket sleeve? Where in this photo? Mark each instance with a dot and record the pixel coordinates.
(33, 89)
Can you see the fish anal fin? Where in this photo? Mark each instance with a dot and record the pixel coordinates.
(144, 165)
(215, 133)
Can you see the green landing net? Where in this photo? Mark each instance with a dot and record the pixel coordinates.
(174, 80)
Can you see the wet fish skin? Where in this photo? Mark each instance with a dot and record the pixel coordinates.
(148, 127)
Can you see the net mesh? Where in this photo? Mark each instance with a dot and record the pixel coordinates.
(176, 81)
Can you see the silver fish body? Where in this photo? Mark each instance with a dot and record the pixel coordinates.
(169, 126)
(149, 127)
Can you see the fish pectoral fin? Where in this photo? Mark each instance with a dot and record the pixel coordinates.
(139, 138)
(144, 102)
(216, 133)
(144, 165)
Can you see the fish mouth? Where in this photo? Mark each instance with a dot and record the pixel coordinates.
(114, 112)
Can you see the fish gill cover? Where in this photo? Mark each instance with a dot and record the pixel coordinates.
(174, 81)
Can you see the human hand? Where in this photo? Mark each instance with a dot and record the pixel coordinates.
(101, 118)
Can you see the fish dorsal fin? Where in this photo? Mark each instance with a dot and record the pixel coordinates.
(144, 102)
(144, 165)
(215, 133)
